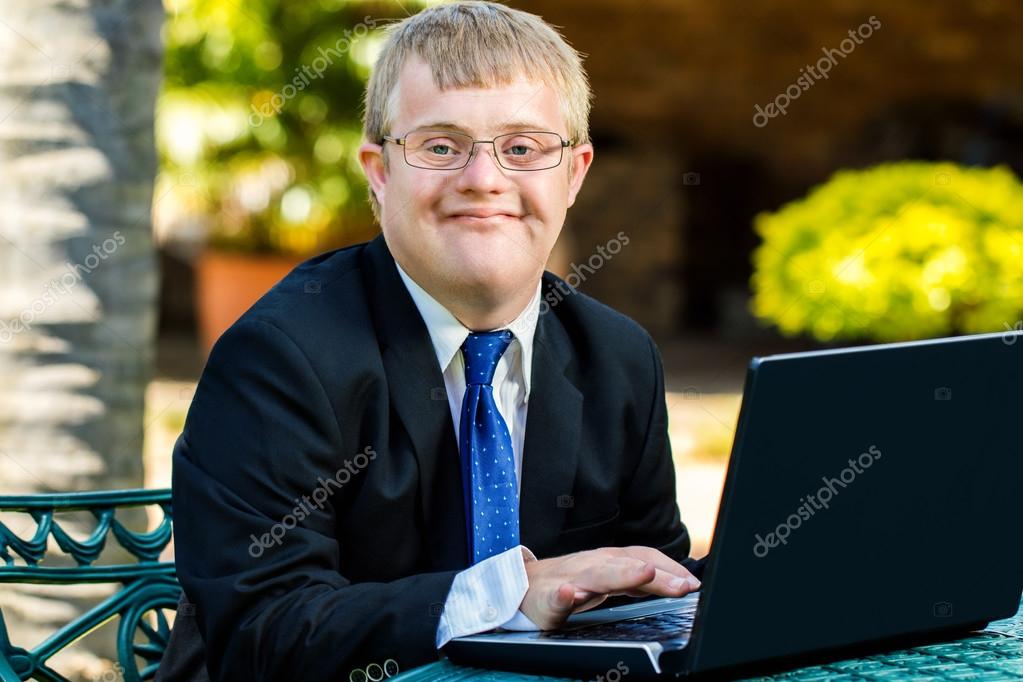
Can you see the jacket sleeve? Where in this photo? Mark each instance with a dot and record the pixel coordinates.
(261, 565)
(650, 514)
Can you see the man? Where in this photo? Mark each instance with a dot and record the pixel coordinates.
(428, 436)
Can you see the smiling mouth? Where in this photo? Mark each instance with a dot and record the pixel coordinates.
(467, 217)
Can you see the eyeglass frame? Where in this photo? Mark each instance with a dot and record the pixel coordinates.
(400, 141)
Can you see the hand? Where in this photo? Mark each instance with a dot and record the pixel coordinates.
(572, 583)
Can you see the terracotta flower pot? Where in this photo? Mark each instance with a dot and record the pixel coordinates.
(227, 284)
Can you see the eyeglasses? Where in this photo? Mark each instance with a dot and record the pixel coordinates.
(446, 150)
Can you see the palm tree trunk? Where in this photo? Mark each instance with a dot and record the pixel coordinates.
(78, 84)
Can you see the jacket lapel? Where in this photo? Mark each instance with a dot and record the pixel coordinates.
(419, 398)
(551, 451)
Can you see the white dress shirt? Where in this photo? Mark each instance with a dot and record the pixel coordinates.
(488, 594)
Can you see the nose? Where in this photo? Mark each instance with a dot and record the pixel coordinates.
(483, 173)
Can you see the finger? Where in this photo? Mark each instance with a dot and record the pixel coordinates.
(663, 584)
(614, 576)
(657, 558)
(663, 562)
(584, 595)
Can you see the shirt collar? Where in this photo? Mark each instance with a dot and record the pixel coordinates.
(448, 334)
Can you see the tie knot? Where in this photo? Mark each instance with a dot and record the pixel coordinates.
(481, 352)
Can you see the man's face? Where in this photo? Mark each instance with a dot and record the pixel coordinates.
(480, 231)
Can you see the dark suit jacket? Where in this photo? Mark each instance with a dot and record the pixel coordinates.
(336, 359)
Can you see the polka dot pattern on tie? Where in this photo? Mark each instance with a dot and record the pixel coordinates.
(488, 467)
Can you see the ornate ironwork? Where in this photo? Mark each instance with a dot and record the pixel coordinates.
(149, 584)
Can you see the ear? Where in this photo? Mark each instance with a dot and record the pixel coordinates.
(371, 158)
(582, 157)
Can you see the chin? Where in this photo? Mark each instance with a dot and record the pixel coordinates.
(494, 276)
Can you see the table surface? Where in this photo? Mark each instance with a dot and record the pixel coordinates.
(996, 653)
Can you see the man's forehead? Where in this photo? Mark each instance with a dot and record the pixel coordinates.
(503, 127)
(522, 104)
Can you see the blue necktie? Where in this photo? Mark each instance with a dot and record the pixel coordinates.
(488, 463)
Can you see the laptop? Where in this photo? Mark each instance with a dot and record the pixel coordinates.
(872, 502)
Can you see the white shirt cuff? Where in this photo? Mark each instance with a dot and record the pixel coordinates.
(486, 596)
(520, 622)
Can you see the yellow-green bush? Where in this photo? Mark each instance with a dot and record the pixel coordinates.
(899, 251)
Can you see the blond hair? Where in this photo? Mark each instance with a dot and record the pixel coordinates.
(471, 43)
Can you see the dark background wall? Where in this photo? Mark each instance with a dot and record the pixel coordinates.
(682, 169)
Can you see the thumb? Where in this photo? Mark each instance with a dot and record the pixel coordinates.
(563, 598)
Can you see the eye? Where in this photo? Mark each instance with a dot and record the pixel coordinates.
(440, 146)
(522, 148)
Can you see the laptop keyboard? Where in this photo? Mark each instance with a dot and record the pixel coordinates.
(655, 628)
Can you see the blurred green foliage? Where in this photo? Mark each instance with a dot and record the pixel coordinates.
(899, 251)
(258, 122)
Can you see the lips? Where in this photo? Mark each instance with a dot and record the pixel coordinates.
(482, 213)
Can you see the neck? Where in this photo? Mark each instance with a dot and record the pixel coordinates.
(479, 308)
(484, 313)
(483, 310)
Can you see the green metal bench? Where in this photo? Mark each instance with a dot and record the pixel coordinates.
(149, 585)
